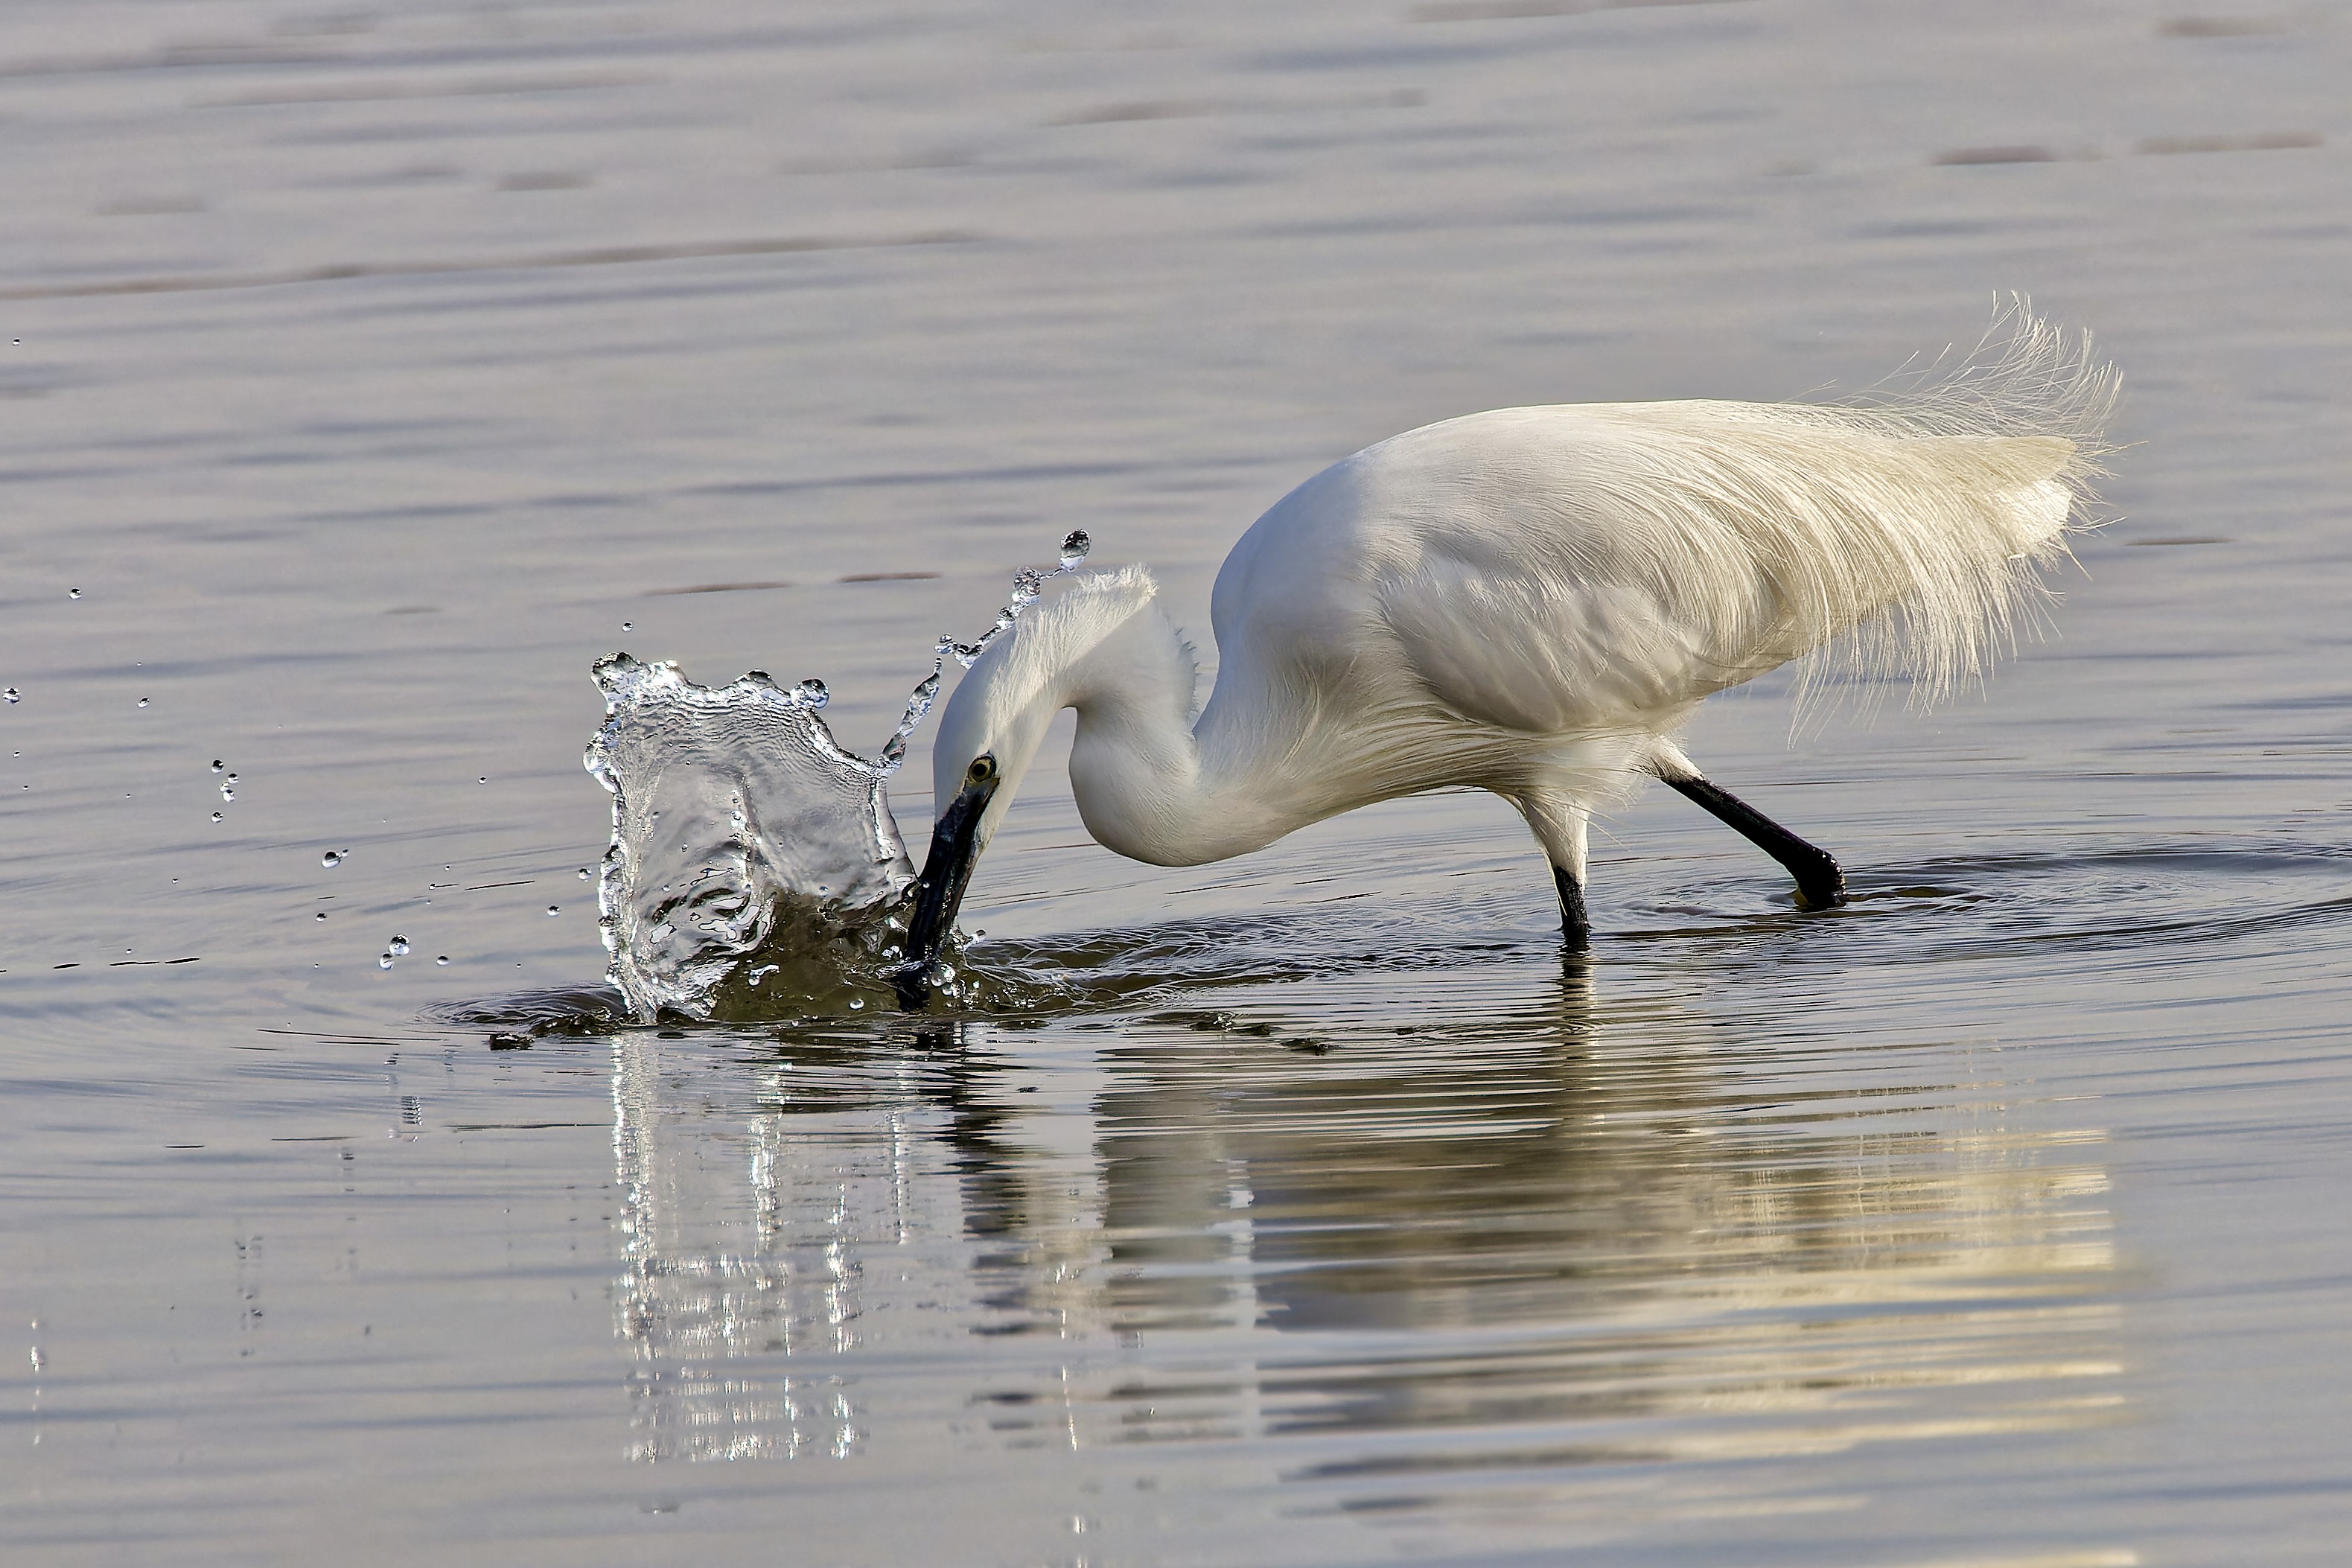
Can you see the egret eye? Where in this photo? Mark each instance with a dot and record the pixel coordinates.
(983, 769)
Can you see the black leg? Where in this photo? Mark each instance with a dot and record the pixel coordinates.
(1575, 929)
(1820, 884)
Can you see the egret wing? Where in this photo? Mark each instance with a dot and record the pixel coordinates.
(1541, 652)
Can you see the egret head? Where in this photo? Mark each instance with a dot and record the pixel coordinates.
(989, 734)
(1056, 656)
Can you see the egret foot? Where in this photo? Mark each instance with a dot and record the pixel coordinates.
(1575, 929)
(1820, 884)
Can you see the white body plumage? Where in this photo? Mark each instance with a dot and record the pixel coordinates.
(1533, 600)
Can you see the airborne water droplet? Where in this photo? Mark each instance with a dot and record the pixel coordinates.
(628, 625)
(73, 593)
(228, 792)
(583, 873)
(330, 859)
(399, 945)
(443, 960)
(12, 697)
(216, 817)
(1075, 548)
(383, 961)
(320, 915)
(218, 764)
(143, 703)
(554, 908)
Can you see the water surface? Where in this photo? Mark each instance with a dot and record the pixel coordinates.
(368, 372)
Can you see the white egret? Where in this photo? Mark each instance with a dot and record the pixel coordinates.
(1533, 601)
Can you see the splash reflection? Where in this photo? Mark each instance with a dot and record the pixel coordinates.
(744, 1241)
(1517, 1245)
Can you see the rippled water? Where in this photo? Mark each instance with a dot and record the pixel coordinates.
(365, 374)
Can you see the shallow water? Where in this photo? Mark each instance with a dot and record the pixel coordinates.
(367, 372)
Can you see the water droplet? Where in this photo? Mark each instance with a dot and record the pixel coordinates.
(1075, 548)
(943, 975)
(218, 764)
(143, 703)
(321, 915)
(628, 625)
(232, 778)
(13, 695)
(813, 693)
(554, 908)
(216, 814)
(383, 961)
(857, 1004)
(228, 792)
(73, 593)
(583, 873)
(484, 779)
(330, 859)
(399, 945)
(443, 960)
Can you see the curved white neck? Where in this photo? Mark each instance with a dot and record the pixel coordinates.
(1148, 786)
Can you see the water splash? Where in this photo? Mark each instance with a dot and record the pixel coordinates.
(1027, 584)
(755, 868)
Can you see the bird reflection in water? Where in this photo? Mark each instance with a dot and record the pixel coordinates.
(1446, 1244)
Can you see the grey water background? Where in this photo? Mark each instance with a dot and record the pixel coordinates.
(369, 371)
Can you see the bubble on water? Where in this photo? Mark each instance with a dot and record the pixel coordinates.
(143, 703)
(399, 946)
(13, 696)
(331, 858)
(442, 960)
(554, 908)
(383, 961)
(216, 816)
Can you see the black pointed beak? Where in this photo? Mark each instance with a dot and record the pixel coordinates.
(939, 891)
